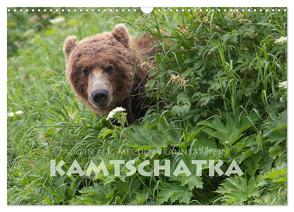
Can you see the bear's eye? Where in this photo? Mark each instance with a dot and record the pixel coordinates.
(109, 69)
(87, 71)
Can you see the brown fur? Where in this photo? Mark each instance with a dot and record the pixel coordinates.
(128, 55)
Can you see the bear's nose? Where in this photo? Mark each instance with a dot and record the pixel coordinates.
(100, 97)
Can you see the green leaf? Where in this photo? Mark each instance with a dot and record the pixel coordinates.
(152, 137)
(183, 105)
(192, 181)
(277, 175)
(229, 132)
(93, 195)
(275, 128)
(139, 199)
(104, 133)
(172, 192)
(237, 190)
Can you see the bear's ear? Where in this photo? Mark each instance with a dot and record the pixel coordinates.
(120, 33)
(69, 44)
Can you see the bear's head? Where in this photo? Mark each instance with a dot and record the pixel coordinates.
(101, 69)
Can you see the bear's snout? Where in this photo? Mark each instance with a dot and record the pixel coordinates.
(100, 97)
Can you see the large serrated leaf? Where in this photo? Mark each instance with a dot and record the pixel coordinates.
(238, 190)
(192, 181)
(172, 192)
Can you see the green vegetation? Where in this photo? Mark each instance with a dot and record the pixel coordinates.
(219, 76)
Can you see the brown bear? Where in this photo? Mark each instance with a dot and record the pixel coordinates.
(110, 70)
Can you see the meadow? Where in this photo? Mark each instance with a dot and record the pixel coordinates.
(221, 76)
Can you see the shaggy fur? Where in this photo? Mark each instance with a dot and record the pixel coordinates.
(128, 55)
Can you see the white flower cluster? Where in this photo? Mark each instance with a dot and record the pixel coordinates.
(283, 84)
(114, 111)
(281, 40)
(16, 113)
